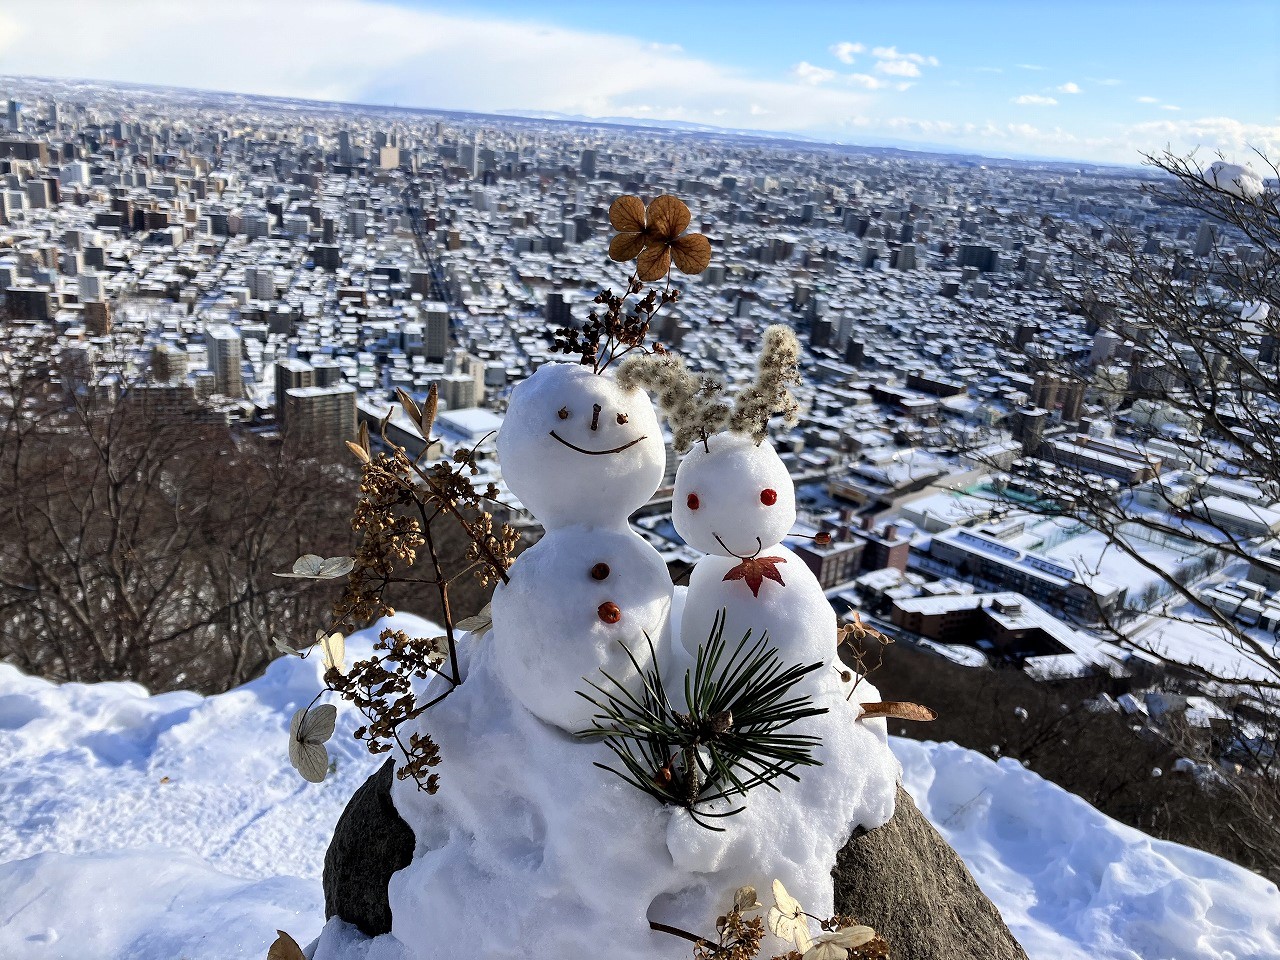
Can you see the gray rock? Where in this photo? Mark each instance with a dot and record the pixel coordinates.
(904, 880)
(370, 843)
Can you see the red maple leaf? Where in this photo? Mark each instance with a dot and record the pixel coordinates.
(755, 570)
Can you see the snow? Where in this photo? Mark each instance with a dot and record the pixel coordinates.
(166, 826)
(100, 861)
(617, 455)
(1241, 181)
(1072, 883)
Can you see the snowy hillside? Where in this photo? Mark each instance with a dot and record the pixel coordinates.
(172, 826)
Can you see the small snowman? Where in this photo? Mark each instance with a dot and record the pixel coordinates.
(582, 453)
(735, 501)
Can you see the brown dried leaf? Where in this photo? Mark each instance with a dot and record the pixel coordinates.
(626, 214)
(359, 451)
(626, 246)
(364, 436)
(668, 217)
(899, 710)
(285, 948)
(408, 405)
(428, 419)
(655, 262)
(692, 253)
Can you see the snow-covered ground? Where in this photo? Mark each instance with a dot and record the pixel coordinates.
(157, 828)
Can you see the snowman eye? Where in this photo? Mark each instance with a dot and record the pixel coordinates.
(623, 418)
(768, 496)
(693, 502)
(564, 413)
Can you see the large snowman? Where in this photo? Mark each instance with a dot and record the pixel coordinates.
(528, 849)
(582, 454)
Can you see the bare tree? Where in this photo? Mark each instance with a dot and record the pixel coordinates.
(140, 544)
(1185, 363)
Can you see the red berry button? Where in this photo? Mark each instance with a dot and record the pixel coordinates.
(768, 497)
(693, 501)
(600, 571)
(609, 612)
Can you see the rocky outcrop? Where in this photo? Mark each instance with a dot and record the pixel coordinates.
(370, 843)
(903, 879)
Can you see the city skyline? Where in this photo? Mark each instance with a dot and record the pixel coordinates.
(1093, 82)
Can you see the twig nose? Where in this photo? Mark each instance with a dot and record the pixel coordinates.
(595, 417)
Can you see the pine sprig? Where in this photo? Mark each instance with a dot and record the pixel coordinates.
(729, 741)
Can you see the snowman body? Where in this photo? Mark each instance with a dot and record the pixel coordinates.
(582, 454)
(735, 501)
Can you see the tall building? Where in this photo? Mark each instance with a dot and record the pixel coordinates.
(90, 282)
(321, 419)
(261, 282)
(225, 358)
(168, 364)
(291, 374)
(435, 338)
(15, 115)
(1204, 239)
(588, 163)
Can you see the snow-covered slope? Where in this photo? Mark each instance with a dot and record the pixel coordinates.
(153, 828)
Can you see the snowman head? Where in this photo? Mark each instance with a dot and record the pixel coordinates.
(733, 496)
(578, 449)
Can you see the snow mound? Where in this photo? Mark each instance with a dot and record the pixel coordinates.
(134, 823)
(100, 860)
(1071, 882)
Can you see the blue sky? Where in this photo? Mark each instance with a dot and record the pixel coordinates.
(1087, 80)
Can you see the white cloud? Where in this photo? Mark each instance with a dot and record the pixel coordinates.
(368, 51)
(891, 53)
(1148, 99)
(1034, 100)
(1169, 106)
(898, 68)
(1069, 88)
(844, 51)
(866, 81)
(808, 73)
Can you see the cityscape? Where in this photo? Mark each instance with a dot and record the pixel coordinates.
(993, 471)
(282, 269)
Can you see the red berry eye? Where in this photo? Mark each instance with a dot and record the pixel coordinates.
(768, 497)
(693, 501)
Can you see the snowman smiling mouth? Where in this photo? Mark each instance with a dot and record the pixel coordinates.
(595, 453)
(752, 556)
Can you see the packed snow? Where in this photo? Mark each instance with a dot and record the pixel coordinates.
(102, 858)
(526, 818)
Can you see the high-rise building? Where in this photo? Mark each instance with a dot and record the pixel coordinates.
(225, 358)
(261, 282)
(90, 282)
(15, 116)
(291, 374)
(588, 163)
(1204, 239)
(168, 364)
(435, 338)
(320, 418)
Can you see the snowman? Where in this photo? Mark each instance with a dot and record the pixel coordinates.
(582, 453)
(735, 501)
(527, 849)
